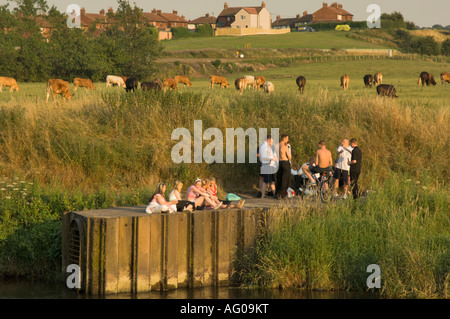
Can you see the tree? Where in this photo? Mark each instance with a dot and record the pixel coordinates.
(393, 20)
(30, 7)
(446, 47)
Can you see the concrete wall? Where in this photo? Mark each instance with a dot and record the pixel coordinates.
(140, 252)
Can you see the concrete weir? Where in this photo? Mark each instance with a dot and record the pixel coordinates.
(125, 250)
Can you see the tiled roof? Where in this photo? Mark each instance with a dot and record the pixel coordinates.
(204, 20)
(231, 11)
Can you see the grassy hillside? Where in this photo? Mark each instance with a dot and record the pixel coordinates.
(313, 40)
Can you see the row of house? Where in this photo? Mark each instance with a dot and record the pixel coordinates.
(230, 17)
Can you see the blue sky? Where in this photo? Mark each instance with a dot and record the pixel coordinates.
(423, 13)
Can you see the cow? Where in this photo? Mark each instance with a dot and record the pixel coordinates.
(445, 78)
(86, 83)
(58, 86)
(183, 79)
(301, 83)
(268, 87)
(345, 81)
(131, 84)
(387, 90)
(250, 81)
(115, 80)
(8, 82)
(378, 78)
(170, 83)
(260, 80)
(153, 85)
(240, 85)
(426, 78)
(368, 80)
(214, 79)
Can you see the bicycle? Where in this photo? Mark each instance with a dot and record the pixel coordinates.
(314, 191)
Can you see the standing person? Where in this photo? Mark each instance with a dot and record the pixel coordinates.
(344, 152)
(284, 170)
(355, 167)
(182, 205)
(324, 161)
(158, 202)
(269, 163)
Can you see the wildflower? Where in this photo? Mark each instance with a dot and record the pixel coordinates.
(417, 182)
(15, 189)
(424, 187)
(8, 197)
(3, 189)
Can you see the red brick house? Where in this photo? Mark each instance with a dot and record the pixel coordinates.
(332, 13)
(206, 19)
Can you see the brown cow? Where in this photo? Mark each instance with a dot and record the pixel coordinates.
(240, 85)
(58, 86)
(345, 80)
(8, 82)
(426, 78)
(182, 79)
(170, 83)
(445, 78)
(214, 79)
(378, 78)
(156, 85)
(260, 80)
(301, 83)
(86, 83)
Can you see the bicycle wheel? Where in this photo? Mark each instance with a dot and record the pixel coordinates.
(326, 192)
(310, 192)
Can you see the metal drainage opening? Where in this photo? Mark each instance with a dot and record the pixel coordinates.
(74, 249)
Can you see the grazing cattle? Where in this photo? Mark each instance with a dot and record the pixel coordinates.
(153, 85)
(183, 79)
(86, 83)
(368, 80)
(260, 80)
(8, 82)
(240, 85)
(124, 78)
(378, 78)
(387, 90)
(250, 81)
(214, 79)
(170, 83)
(426, 78)
(268, 87)
(301, 82)
(131, 84)
(115, 80)
(58, 86)
(445, 78)
(345, 81)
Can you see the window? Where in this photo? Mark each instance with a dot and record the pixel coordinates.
(339, 17)
(228, 18)
(242, 17)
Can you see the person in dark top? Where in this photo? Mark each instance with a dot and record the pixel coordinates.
(355, 167)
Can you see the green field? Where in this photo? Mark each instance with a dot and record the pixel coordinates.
(311, 40)
(109, 148)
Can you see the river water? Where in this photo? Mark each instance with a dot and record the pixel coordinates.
(26, 289)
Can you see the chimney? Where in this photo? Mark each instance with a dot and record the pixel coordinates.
(305, 13)
(174, 12)
(278, 17)
(334, 5)
(102, 12)
(339, 6)
(158, 11)
(225, 6)
(324, 5)
(299, 16)
(207, 15)
(263, 4)
(154, 11)
(83, 11)
(110, 10)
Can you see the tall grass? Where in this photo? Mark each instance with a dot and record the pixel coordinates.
(402, 226)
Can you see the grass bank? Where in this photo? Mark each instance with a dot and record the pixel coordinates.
(402, 226)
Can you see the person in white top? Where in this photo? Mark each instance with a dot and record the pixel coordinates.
(344, 152)
(269, 165)
(182, 205)
(159, 204)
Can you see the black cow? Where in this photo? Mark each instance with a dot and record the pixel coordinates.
(426, 78)
(387, 90)
(153, 85)
(301, 82)
(368, 80)
(131, 84)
